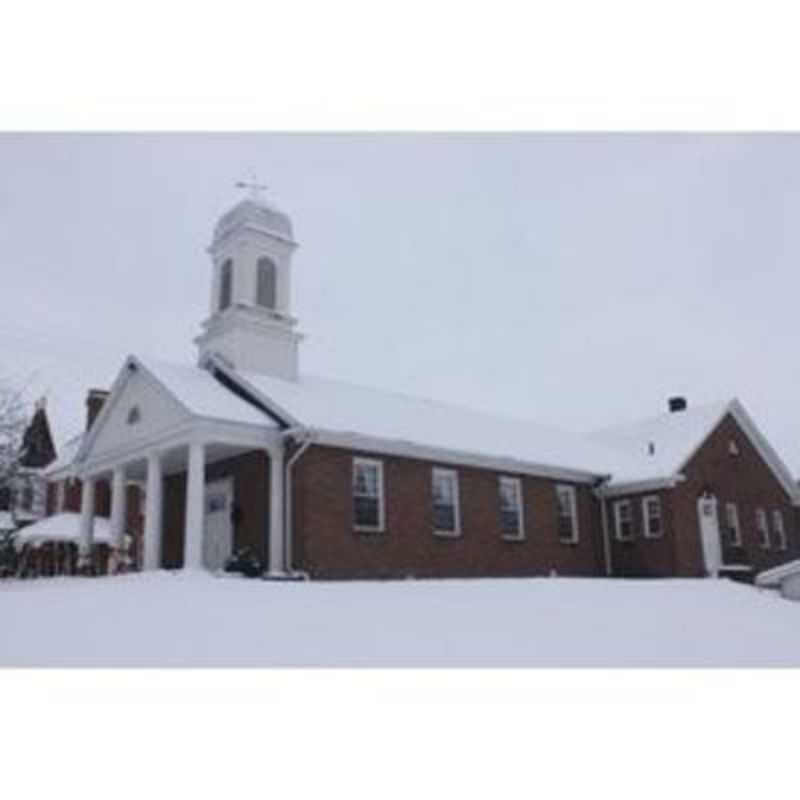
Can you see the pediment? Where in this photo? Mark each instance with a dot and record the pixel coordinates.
(140, 410)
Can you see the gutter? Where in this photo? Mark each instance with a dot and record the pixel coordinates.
(306, 436)
(601, 496)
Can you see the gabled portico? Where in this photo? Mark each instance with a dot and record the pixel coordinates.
(160, 421)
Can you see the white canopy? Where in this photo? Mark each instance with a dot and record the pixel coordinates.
(64, 527)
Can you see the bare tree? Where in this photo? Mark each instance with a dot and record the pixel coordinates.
(12, 428)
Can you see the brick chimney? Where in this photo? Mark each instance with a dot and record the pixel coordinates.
(94, 404)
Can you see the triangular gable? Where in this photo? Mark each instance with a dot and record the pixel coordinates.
(139, 408)
(759, 442)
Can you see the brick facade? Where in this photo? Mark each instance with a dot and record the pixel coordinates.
(250, 515)
(327, 545)
(743, 479)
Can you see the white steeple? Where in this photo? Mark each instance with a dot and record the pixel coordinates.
(250, 325)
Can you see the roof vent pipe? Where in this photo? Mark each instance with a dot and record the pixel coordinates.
(677, 404)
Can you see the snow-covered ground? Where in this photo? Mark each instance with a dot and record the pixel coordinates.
(181, 619)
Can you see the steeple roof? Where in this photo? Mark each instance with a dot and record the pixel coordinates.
(258, 214)
(38, 449)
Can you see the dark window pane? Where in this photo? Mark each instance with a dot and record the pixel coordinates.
(265, 293)
(366, 512)
(655, 526)
(444, 517)
(565, 527)
(226, 285)
(510, 522)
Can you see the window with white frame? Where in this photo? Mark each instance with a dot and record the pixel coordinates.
(567, 514)
(762, 528)
(368, 510)
(512, 526)
(446, 515)
(780, 531)
(733, 533)
(623, 520)
(651, 514)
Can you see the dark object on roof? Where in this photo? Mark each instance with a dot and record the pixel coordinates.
(677, 404)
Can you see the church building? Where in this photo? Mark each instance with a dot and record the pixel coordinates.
(324, 479)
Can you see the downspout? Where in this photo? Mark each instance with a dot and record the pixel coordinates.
(306, 437)
(600, 494)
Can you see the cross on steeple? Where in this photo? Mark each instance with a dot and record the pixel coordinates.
(253, 187)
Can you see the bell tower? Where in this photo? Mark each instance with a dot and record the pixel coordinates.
(250, 324)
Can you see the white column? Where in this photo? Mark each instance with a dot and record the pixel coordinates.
(195, 502)
(86, 544)
(118, 507)
(153, 513)
(277, 564)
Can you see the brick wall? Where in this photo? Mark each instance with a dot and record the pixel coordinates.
(642, 557)
(250, 473)
(327, 545)
(744, 479)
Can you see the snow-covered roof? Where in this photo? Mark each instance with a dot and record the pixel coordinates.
(66, 456)
(356, 415)
(774, 576)
(259, 214)
(674, 438)
(201, 394)
(64, 527)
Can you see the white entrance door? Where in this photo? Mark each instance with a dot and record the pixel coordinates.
(709, 533)
(218, 533)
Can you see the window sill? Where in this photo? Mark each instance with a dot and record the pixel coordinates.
(508, 537)
(447, 534)
(653, 537)
(360, 529)
(572, 542)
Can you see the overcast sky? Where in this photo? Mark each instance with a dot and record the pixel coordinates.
(578, 280)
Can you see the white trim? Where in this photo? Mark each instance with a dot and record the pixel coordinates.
(765, 450)
(780, 529)
(646, 532)
(732, 522)
(252, 432)
(378, 464)
(511, 480)
(210, 431)
(759, 442)
(751, 432)
(573, 505)
(637, 487)
(458, 458)
(443, 472)
(352, 440)
(762, 529)
(619, 505)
